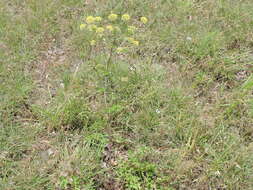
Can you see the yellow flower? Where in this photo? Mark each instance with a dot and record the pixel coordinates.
(90, 19)
(131, 29)
(98, 19)
(135, 42)
(144, 20)
(112, 17)
(109, 27)
(92, 27)
(125, 17)
(92, 42)
(100, 30)
(82, 26)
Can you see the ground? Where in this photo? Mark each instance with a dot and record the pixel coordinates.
(176, 114)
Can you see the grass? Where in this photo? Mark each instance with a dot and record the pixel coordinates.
(174, 113)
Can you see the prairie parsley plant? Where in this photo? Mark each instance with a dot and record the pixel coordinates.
(109, 40)
(112, 38)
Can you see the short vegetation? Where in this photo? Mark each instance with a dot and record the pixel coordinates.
(123, 94)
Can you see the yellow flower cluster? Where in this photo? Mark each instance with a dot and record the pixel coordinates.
(112, 17)
(144, 20)
(95, 25)
(125, 17)
(91, 19)
(100, 30)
